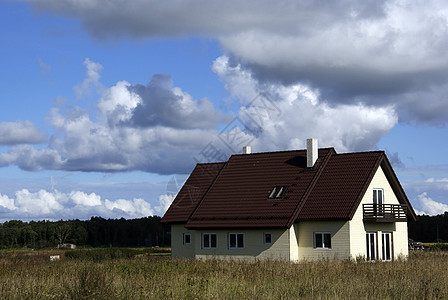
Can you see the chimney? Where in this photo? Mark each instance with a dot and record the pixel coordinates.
(311, 152)
(246, 150)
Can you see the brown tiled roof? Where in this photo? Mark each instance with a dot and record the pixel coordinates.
(341, 186)
(192, 192)
(235, 194)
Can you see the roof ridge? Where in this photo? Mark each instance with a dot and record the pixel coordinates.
(366, 183)
(280, 151)
(362, 152)
(212, 163)
(310, 187)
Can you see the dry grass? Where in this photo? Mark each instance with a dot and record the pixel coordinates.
(30, 275)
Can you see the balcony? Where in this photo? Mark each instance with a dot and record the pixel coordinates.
(384, 212)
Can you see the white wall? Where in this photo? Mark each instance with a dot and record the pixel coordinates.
(294, 242)
(254, 247)
(340, 238)
(358, 227)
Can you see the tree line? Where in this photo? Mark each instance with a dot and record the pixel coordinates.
(95, 232)
(147, 231)
(429, 229)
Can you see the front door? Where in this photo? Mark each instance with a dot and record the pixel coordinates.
(371, 246)
(386, 246)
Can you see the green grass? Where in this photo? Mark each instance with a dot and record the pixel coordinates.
(31, 275)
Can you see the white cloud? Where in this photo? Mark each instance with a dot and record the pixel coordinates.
(439, 180)
(371, 52)
(117, 103)
(7, 202)
(81, 198)
(29, 158)
(41, 203)
(292, 113)
(431, 207)
(92, 78)
(133, 208)
(155, 127)
(21, 132)
(164, 203)
(55, 205)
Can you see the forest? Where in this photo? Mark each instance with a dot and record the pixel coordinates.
(95, 232)
(429, 229)
(148, 231)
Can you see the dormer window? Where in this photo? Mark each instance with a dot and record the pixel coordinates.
(277, 192)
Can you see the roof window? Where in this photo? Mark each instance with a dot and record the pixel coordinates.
(277, 192)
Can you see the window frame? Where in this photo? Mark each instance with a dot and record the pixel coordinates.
(322, 235)
(209, 234)
(375, 196)
(265, 234)
(185, 238)
(237, 241)
(387, 253)
(371, 246)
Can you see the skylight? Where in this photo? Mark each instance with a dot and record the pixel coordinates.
(277, 192)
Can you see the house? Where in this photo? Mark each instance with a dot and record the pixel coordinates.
(292, 205)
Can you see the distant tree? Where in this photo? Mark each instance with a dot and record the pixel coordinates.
(62, 232)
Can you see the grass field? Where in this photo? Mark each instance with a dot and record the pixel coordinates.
(142, 274)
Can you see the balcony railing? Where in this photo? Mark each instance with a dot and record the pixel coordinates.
(385, 212)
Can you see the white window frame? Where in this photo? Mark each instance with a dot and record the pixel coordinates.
(369, 255)
(386, 236)
(375, 193)
(209, 235)
(185, 238)
(264, 238)
(322, 234)
(237, 245)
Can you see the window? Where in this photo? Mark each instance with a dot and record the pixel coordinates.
(187, 239)
(377, 196)
(236, 241)
(277, 192)
(371, 246)
(322, 240)
(209, 240)
(267, 238)
(378, 201)
(387, 246)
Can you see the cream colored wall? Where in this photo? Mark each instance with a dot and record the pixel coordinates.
(358, 227)
(254, 247)
(340, 236)
(294, 242)
(178, 249)
(401, 240)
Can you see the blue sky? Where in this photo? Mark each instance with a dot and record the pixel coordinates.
(105, 107)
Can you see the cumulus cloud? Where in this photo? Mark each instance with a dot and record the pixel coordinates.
(283, 116)
(156, 127)
(54, 205)
(29, 158)
(370, 52)
(163, 105)
(431, 207)
(164, 203)
(21, 132)
(160, 128)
